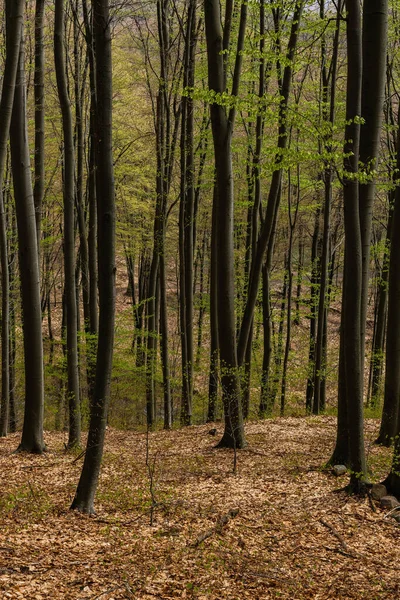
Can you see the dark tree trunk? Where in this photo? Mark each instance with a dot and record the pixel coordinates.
(313, 311)
(69, 229)
(164, 347)
(351, 331)
(214, 345)
(38, 188)
(374, 42)
(378, 345)
(187, 197)
(32, 433)
(328, 114)
(300, 262)
(390, 415)
(222, 128)
(84, 496)
(14, 25)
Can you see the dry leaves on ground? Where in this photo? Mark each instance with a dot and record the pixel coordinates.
(276, 529)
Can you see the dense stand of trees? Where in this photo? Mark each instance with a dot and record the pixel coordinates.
(239, 164)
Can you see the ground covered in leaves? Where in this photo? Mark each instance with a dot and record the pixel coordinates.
(278, 528)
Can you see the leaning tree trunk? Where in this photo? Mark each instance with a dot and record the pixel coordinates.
(32, 433)
(69, 229)
(14, 16)
(84, 496)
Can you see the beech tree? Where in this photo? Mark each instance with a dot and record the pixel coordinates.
(69, 229)
(85, 493)
(222, 122)
(14, 18)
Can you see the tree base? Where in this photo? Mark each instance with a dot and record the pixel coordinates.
(34, 449)
(83, 508)
(384, 440)
(228, 441)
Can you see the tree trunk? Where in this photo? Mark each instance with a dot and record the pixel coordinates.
(32, 433)
(38, 188)
(389, 423)
(353, 368)
(222, 128)
(69, 229)
(84, 496)
(14, 25)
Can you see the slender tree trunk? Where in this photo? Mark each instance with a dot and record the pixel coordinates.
(351, 331)
(69, 230)
(14, 25)
(390, 414)
(300, 261)
(222, 127)
(374, 43)
(38, 188)
(313, 311)
(214, 345)
(32, 433)
(378, 347)
(164, 347)
(84, 496)
(273, 196)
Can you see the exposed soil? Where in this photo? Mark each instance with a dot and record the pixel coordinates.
(277, 529)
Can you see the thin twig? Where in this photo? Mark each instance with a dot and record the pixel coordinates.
(339, 537)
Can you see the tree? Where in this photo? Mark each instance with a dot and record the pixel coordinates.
(222, 122)
(14, 17)
(32, 432)
(85, 493)
(69, 230)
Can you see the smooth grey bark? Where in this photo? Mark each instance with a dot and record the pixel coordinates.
(73, 391)
(14, 25)
(85, 493)
(32, 432)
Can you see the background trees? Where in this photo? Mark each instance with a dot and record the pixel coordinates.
(251, 171)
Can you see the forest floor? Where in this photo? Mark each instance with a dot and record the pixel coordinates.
(278, 528)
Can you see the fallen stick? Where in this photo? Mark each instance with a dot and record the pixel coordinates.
(340, 538)
(222, 521)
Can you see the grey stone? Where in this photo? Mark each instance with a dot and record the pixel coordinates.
(339, 470)
(389, 502)
(378, 491)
